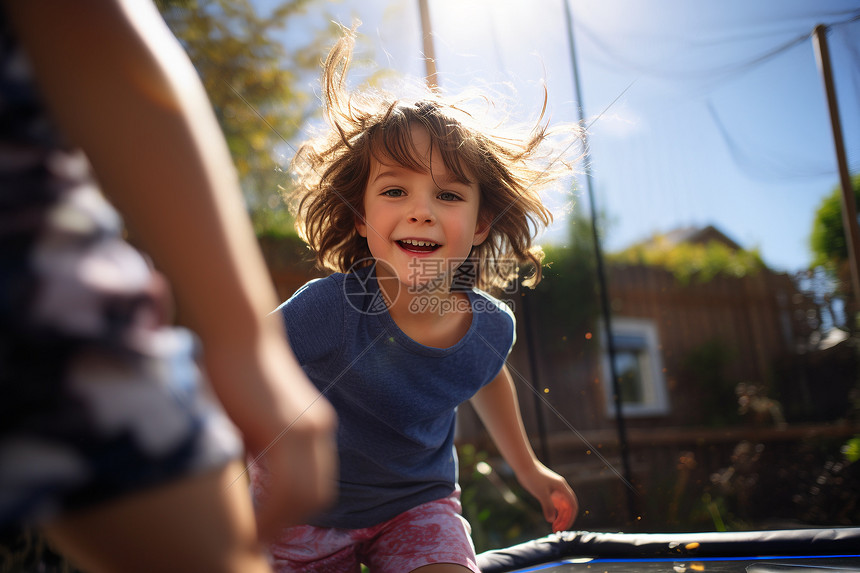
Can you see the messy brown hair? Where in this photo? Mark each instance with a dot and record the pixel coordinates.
(332, 172)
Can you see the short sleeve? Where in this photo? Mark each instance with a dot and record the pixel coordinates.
(497, 332)
(313, 318)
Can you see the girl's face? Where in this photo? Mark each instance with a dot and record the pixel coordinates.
(420, 226)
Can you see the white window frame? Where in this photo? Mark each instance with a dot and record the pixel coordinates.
(655, 398)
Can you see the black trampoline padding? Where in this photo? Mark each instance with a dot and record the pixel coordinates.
(784, 564)
(680, 547)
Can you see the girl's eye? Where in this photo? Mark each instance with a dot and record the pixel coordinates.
(448, 196)
(393, 192)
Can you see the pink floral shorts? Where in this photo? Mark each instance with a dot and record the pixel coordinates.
(434, 532)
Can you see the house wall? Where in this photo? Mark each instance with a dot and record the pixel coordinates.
(760, 326)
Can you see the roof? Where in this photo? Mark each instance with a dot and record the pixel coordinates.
(695, 235)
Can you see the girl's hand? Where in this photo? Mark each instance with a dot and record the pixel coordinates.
(565, 511)
(557, 499)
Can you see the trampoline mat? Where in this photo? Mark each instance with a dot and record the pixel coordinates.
(780, 564)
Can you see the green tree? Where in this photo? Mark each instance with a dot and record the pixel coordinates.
(260, 90)
(827, 239)
(570, 273)
(687, 261)
(830, 248)
(566, 302)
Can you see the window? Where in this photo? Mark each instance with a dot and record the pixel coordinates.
(638, 367)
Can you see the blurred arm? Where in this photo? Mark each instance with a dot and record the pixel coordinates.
(123, 90)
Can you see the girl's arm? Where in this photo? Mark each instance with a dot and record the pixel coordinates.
(122, 89)
(497, 406)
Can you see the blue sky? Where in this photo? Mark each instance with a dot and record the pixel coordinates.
(690, 123)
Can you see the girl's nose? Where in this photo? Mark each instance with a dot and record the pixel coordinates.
(426, 218)
(421, 211)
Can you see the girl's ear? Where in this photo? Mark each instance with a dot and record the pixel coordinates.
(482, 229)
(361, 226)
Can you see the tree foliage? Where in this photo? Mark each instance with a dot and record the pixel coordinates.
(688, 261)
(827, 239)
(260, 92)
(566, 302)
(830, 256)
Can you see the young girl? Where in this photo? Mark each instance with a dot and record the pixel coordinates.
(414, 206)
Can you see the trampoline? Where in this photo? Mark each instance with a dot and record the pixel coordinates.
(780, 551)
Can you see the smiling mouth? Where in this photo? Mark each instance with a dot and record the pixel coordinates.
(416, 246)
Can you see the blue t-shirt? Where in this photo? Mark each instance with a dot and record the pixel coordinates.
(396, 399)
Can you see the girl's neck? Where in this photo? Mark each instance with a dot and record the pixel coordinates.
(432, 316)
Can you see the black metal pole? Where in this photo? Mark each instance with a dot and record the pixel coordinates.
(531, 336)
(849, 207)
(602, 281)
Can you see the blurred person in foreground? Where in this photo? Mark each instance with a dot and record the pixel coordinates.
(110, 440)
